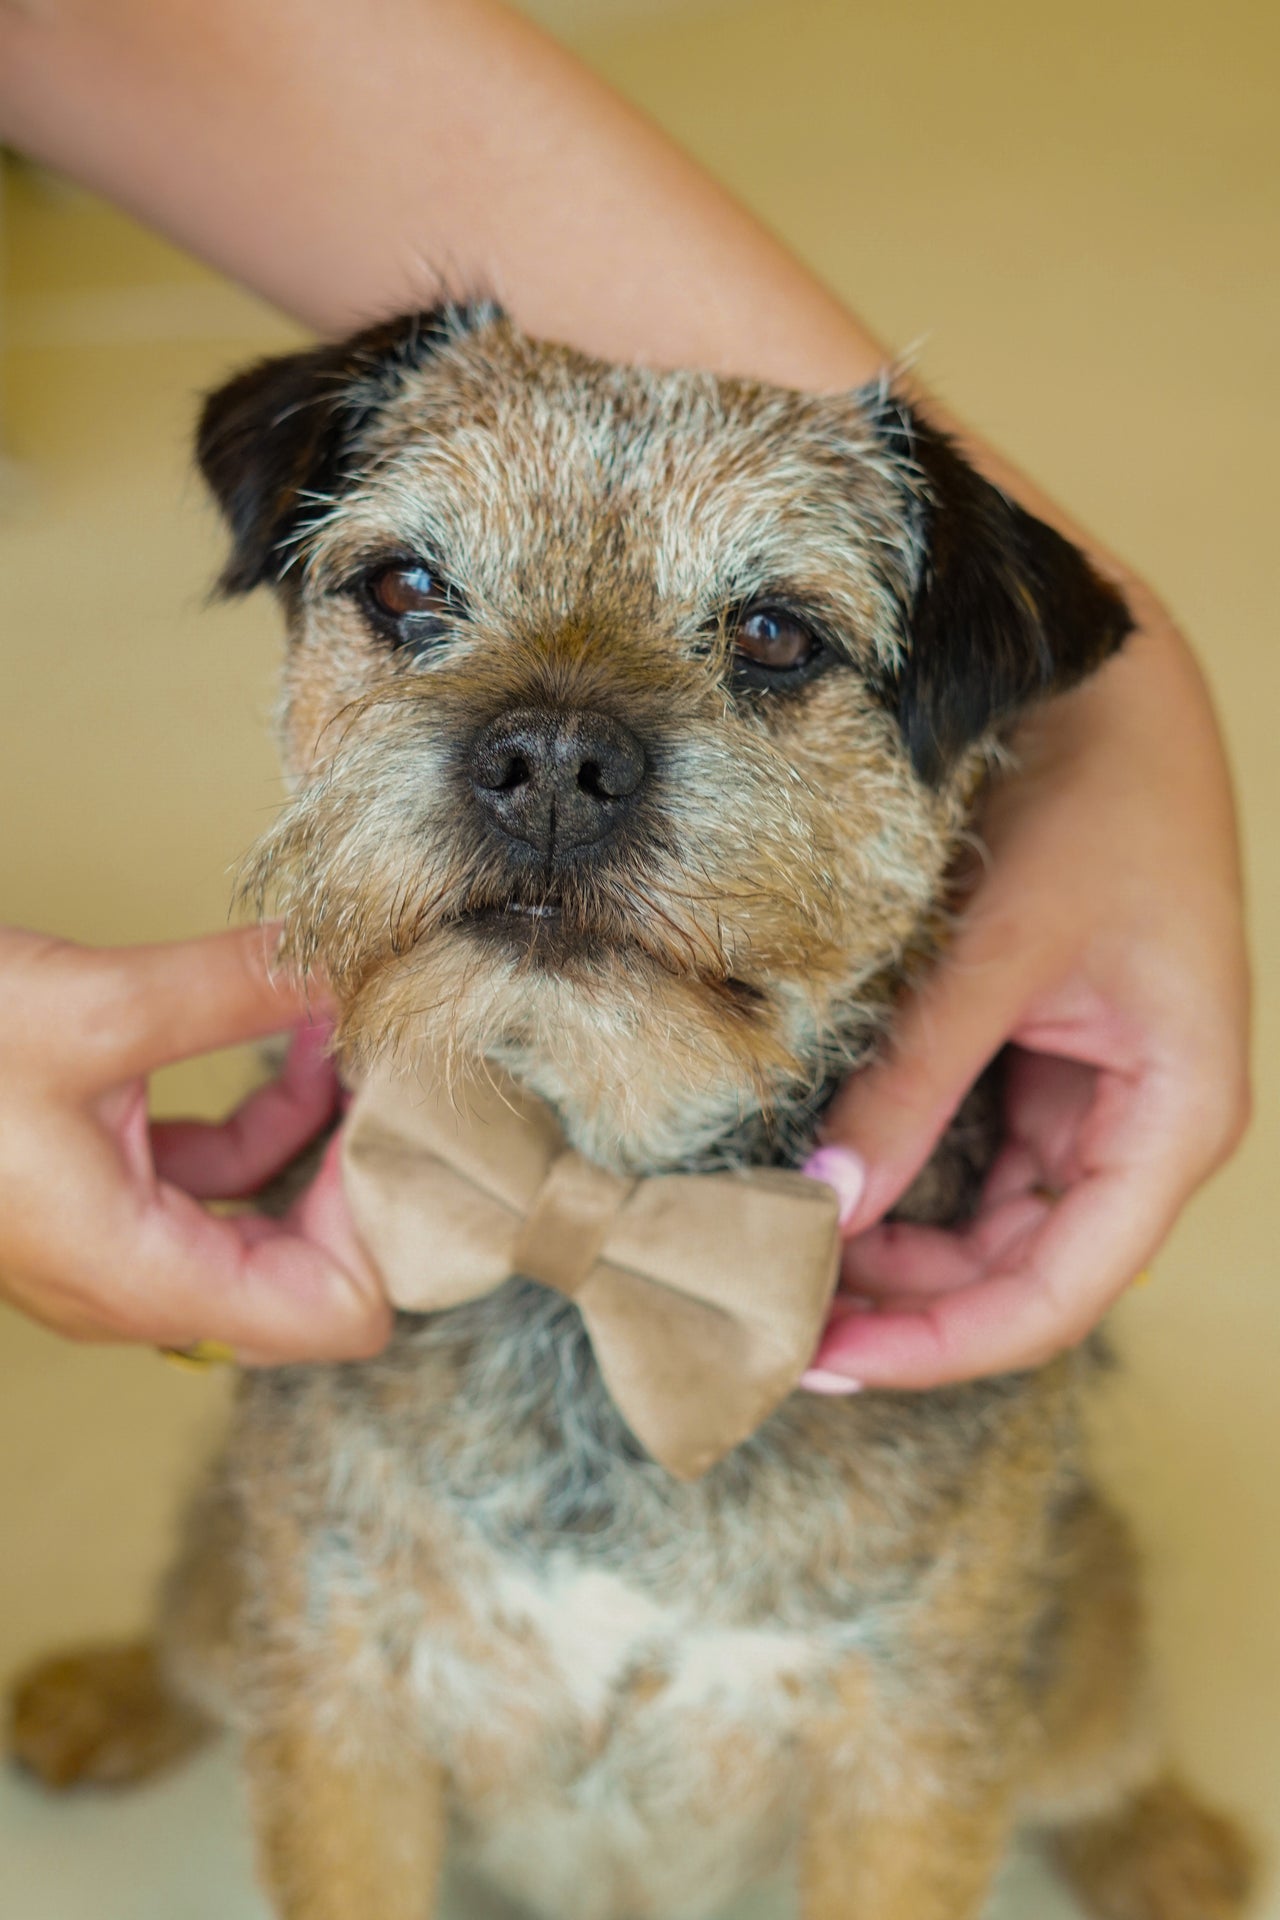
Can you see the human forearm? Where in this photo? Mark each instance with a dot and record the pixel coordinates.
(343, 159)
(350, 160)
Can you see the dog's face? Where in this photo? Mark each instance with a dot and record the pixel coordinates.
(631, 717)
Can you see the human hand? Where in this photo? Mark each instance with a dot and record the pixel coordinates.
(1105, 943)
(101, 1232)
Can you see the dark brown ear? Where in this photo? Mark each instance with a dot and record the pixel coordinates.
(1004, 610)
(276, 442)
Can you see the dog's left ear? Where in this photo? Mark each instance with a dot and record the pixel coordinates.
(1004, 610)
(276, 442)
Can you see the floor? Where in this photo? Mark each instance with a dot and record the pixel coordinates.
(1073, 209)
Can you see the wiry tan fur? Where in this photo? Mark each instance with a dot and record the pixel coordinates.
(444, 1589)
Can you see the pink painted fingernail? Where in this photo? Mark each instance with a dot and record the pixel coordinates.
(839, 1168)
(820, 1380)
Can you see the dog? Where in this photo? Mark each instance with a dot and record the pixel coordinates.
(635, 725)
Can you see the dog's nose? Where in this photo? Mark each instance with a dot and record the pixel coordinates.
(556, 779)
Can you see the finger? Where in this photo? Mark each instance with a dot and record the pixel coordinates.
(893, 1113)
(1016, 1169)
(259, 1287)
(151, 1264)
(1092, 1244)
(896, 1258)
(1046, 1104)
(322, 1214)
(321, 1223)
(269, 1296)
(1048, 1100)
(240, 1155)
(61, 1312)
(139, 1008)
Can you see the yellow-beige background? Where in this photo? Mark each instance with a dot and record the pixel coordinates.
(1073, 212)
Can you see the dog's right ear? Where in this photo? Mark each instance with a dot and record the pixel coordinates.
(276, 442)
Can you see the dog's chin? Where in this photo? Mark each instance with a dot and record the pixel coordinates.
(540, 979)
(579, 1032)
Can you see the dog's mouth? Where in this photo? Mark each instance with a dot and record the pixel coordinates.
(555, 935)
(545, 912)
(544, 930)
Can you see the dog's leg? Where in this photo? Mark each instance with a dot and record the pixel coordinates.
(348, 1807)
(902, 1823)
(931, 1855)
(1132, 1842)
(1160, 1855)
(350, 1821)
(117, 1714)
(101, 1716)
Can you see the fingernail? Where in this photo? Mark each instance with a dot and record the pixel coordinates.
(820, 1380)
(842, 1170)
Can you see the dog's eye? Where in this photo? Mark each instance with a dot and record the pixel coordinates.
(407, 592)
(771, 639)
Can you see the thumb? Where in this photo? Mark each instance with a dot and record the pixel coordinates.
(891, 1116)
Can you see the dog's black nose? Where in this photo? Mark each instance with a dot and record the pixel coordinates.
(556, 779)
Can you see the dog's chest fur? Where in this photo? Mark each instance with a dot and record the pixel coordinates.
(622, 1722)
(625, 1678)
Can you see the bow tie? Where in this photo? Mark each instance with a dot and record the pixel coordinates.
(703, 1294)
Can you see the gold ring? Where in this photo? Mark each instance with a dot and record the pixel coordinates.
(199, 1356)
(1142, 1279)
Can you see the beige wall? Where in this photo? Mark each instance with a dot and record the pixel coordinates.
(1072, 211)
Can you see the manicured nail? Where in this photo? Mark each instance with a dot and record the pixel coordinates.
(819, 1380)
(839, 1168)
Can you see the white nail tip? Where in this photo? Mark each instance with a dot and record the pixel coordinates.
(841, 1171)
(820, 1380)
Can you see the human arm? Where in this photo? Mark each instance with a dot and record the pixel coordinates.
(352, 160)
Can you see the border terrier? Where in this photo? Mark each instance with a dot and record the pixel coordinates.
(635, 723)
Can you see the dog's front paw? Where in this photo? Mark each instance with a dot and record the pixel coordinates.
(102, 1716)
(1163, 1857)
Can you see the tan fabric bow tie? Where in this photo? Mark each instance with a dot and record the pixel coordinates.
(703, 1294)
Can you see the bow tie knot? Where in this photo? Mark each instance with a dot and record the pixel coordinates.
(565, 1230)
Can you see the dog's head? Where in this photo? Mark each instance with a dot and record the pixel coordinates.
(632, 717)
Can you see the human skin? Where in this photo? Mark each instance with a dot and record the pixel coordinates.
(288, 144)
(101, 1236)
